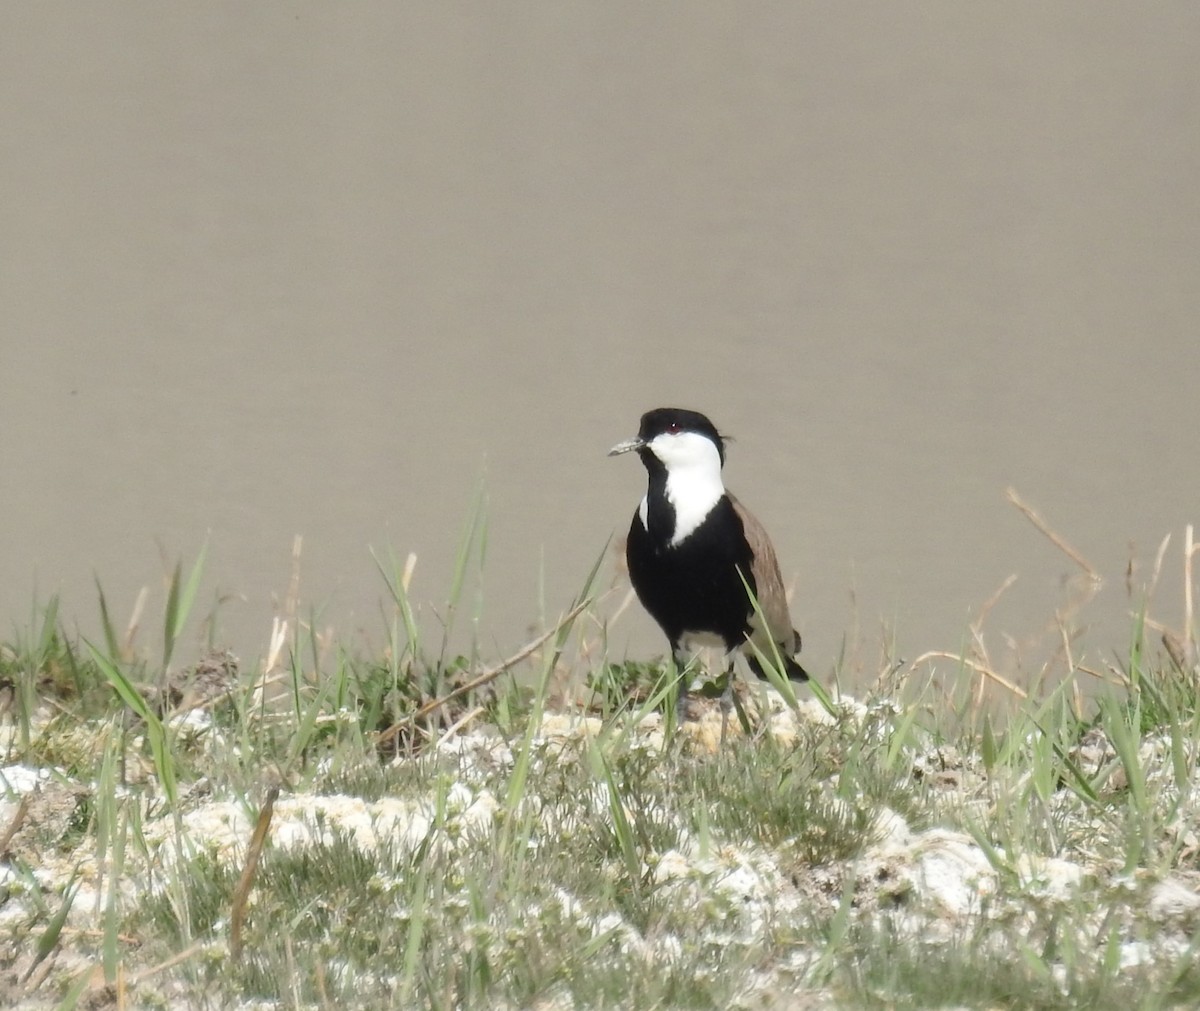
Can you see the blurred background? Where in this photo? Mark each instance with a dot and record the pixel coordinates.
(306, 269)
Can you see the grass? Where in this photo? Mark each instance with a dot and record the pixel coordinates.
(422, 830)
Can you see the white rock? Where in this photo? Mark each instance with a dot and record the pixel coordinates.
(937, 868)
(1049, 877)
(812, 711)
(1171, 899)
(565, 727)
(22, 778)
(892, 829)
(670, 866)
(952, 872)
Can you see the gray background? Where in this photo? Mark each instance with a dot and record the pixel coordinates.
(271, 269)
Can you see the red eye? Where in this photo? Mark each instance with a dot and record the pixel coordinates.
(673, 427)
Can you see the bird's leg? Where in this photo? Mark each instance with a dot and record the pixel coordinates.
(727, 699)
(682, 676)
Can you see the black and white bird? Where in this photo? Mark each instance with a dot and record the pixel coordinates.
(693, 550)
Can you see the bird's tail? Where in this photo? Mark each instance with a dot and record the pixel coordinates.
(792, 669)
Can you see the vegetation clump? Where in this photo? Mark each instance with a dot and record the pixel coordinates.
(324, 830)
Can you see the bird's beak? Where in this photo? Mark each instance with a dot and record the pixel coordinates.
(628, 446)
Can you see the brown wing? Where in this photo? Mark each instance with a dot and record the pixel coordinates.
(772, 598)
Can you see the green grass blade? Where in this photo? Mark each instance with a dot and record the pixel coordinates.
(164, 762)
(49, 939)
(110, 632)
(394, 580)
(75, 991)
(773, 665)
(169, 615)
(626, 841)
(180, 599)
(467, 542)
(49, 630)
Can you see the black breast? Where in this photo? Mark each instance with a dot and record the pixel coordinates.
(694, 586)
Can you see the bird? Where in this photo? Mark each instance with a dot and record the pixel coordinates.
(696, 555)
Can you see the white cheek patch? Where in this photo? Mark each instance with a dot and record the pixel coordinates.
(694, 483)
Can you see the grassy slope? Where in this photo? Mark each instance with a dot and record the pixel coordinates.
(510, 850)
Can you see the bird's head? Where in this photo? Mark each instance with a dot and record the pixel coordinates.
(676, 440)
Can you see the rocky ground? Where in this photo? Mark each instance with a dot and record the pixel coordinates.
(837, 857)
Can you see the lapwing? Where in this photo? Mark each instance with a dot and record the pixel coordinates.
(693, 549)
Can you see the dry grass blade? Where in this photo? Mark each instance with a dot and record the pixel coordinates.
(977, 632)
(462, 721)
(623, 606)
(978, 668)
(1114, 677)
(242, 892)
(992, 601)
(177, 959)
(487, 676)
(1033, 517)
(1175, 651)
(291, 603)
(135, 621)
(1158, 564)
(1189, 628)
(1181, 646)
(14, 824)
(279, 634)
